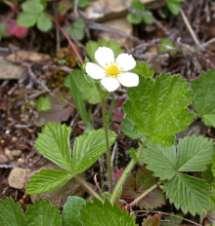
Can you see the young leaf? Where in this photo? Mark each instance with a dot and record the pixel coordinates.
(174, 6)
(27, 19)
(188, 193)
(194, 154)
(72, 83)
(47, 180)
(54, 144)
(203, 97)
(43, 104)
(87, 87)
(43, 213)
(97, 214)
(44, 22)
(159, 108)
(89, 147)
(72, 211)
(32, 6)
(11, 213)
(77, 29)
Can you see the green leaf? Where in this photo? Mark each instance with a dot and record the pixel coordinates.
(72, 83)
(167, 46)
(203, 96)
(43, 213)
(143, 69)
(11, 213)
(54, 144)
(27, 19)
(162, 161)
(92, 46)
(194, 154)
(72, 211)
(159, 108)
(87, 87)
(188, 193)
(129, 130)
(33, 6)
(43, 104)
(77, 29)
(47, 180)
(44, 22)
(3, 31)
(89, 147)
(83, 3)
(174, 6)
(134, 18)
(97, 214)
(147, 17)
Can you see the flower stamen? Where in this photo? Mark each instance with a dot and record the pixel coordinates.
(112, 70)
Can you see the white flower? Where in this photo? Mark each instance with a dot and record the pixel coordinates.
(112, 71)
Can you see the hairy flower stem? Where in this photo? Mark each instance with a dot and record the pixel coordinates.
(118, 188)
(88, 188)
(143, 195)
(105, 117)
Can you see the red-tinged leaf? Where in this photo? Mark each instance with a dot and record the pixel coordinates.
(152, 220)
(13, 29)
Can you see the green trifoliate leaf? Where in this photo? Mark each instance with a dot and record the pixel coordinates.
(11, 213)
(47, 180)
(72, 211)
(77, 29)
(188, 193)
(89, 147)
(44, 22)
(54, 144)
(43, 213)
(27, 19)
(97, 214)
(87, 87)
(203, 97)
(33, 6)
(159, 108)
(194, 154)
(92, 46)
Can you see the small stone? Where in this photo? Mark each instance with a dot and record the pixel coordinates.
(10, 71)
(18, 177)
(3, 159)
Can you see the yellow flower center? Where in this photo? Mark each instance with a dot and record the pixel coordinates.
(112, 70)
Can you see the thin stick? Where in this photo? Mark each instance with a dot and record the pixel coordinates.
(88, 188)
(108, 153)
(143, 195)
(190, 29)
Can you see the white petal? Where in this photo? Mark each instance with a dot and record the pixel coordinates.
(104, 56)
(128, 79)
(94, 71)
(126, 62)
(110, 84)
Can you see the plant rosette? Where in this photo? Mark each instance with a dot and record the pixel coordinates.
(112, 72)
